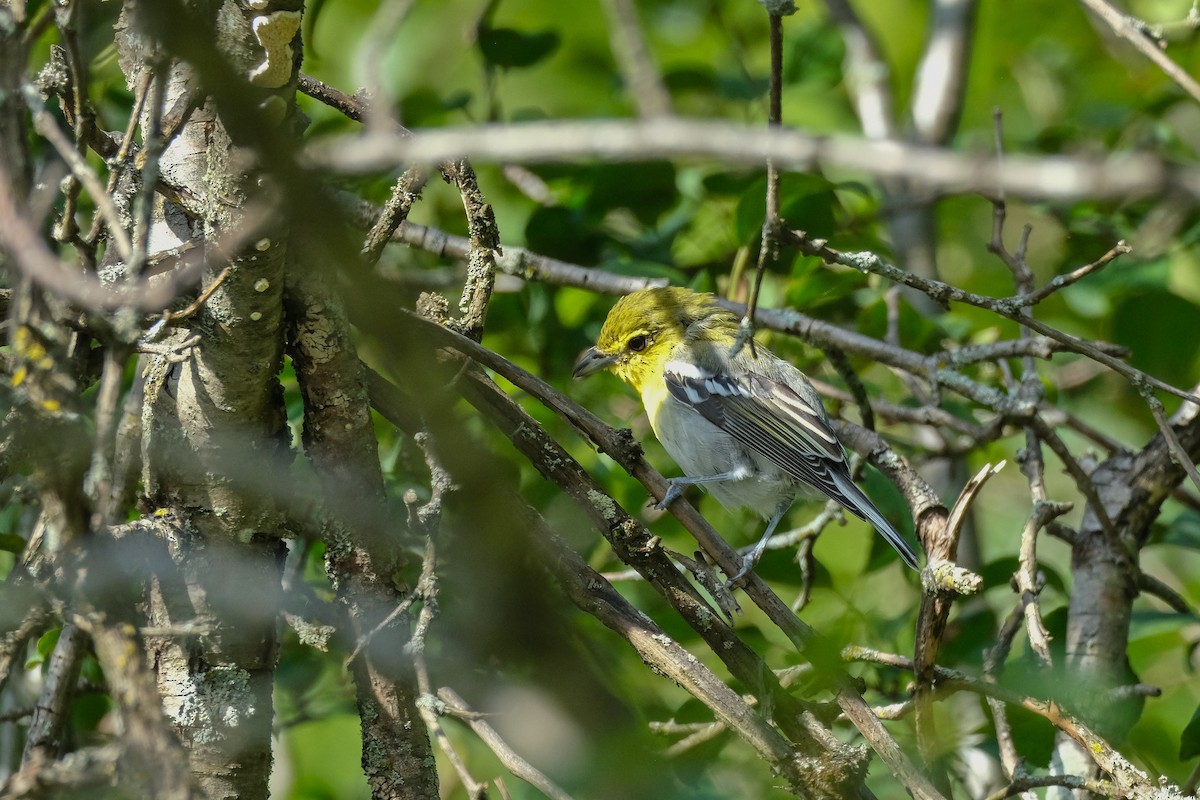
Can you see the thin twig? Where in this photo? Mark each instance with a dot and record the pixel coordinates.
(1168, 433)
(945, 293)
(1153, 586)
(993, 666)
(1024, 783)
(514, 260)
(195, 305)
(1083, 481)
(354, 106)
(44, 124)
(1123, 25)
(118, 161)
(769, 244)
(431, 709)
(456, 706)
(1130, 779)
(1026, 579)
(1066, 279)
(394, 212)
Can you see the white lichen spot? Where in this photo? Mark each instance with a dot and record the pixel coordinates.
(213, 704)
(262, 245)
(275, 32)
(312, 634)
(261, 285)
(604, 504)
(229, 698)
(256, 315)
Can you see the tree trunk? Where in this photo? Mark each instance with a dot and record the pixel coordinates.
(202, 415)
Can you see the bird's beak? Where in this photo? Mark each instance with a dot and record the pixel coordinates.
(591, 361)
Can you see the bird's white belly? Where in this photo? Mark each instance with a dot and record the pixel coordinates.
(701, 448)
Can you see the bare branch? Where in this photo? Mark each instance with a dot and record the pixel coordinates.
(1128, 779)
(1062, 281)
(868, 75)
(49, 715)
(942, 74)
(45, 125)
(945, 293)
(404, 194)
(513, 261)
(1153, 586)
(1164, 426)
(1125, 176)
(456, 706)
(941, 551)
(1024, 783)
(769, 244)
(1125, 27)
(642, 79)
(624, 452)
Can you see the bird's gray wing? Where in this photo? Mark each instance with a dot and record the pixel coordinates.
(777, 422)
(766, 416)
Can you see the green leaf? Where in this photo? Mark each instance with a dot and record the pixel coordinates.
(563, 233)
(45, 646)
(648, 189)
(815, 287)
(1184, 531)
(737, 86)
(507, 48)
(1189, 740)
(690, 78)
(1148, 320)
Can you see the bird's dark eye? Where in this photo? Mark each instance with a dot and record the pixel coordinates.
(638, 343)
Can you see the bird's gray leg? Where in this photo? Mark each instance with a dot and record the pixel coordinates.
(751, 558)
(677, 485)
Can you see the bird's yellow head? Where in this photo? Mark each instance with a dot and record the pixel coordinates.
(644, 327)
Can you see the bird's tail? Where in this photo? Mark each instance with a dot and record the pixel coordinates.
(861, 506)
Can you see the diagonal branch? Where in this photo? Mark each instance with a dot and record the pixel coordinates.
(1123, 25)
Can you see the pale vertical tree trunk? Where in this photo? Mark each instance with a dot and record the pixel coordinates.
(214, 428)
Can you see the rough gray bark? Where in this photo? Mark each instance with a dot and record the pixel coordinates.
(214, 423)
(362, 544)
(1104, 568)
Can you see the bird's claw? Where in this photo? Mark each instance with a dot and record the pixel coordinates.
(748, 562)
(673, 491)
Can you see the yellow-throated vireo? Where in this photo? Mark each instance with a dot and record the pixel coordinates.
(748, 427)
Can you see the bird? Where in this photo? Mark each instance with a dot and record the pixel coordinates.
(742, 423)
